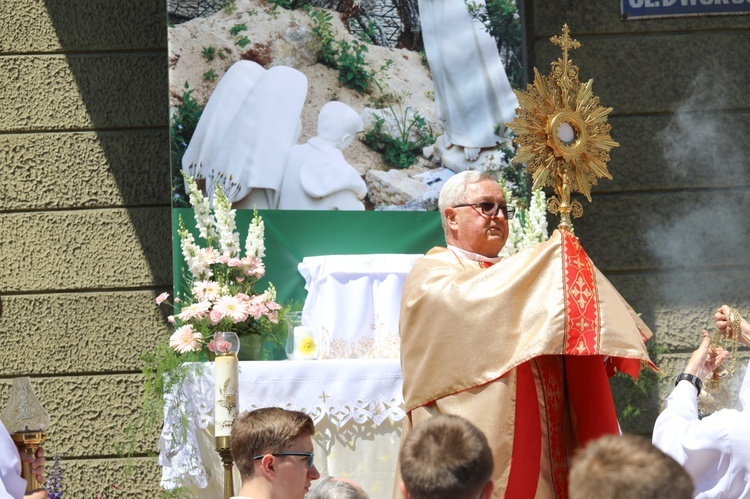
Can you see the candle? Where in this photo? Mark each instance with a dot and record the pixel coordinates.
(304, 343)
(226, 385)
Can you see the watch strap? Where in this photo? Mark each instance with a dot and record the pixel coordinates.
(692, 378)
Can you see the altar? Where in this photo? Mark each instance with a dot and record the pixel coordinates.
(356, 404)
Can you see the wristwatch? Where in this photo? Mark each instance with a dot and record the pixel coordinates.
(692, 378)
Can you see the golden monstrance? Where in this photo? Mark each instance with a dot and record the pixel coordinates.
(562, 133)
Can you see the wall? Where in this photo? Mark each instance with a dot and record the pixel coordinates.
(670, 229)
(84, 222)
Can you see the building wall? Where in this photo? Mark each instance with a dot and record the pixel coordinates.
(670, 229)
(84, 222)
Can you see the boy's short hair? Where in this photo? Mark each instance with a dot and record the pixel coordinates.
(265, 431)
(626, 467)
(445, 457)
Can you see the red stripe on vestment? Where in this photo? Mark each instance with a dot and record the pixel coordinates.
(582, 323)
(590, 398)
(527, 438)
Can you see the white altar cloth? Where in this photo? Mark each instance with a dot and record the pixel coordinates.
(353, 303)
(356, 404)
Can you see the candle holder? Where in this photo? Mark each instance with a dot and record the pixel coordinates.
(223, 447)
(27, 422)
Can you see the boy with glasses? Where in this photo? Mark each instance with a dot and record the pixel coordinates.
(273, 451)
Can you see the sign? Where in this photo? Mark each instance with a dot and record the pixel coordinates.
(642, 9)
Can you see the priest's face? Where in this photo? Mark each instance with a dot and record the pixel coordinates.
(473, 231)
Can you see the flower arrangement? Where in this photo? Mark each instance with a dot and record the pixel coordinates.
(220, 279)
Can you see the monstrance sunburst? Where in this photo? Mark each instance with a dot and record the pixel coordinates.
(562, 133)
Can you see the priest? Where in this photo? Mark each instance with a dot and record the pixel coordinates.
(521, 347)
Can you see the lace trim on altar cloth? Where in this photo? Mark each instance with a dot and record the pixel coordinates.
(188, 408)
(384, 344)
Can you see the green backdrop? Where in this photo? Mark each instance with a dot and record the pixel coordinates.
(292, 235)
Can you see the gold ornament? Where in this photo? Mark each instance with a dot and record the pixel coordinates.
(562, 133)
(718, 395)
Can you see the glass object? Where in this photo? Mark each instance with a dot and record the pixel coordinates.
(24, 412)
(226, 342)
(293, 320)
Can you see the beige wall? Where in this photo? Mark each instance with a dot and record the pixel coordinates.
(84, 221)
(674, 239)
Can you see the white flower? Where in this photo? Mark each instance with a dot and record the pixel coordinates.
(254, 245)
(229, 240)
(185, 339)
(202, 210)
(231, 306)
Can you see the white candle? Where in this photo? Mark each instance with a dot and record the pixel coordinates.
(304, 343)
(226, 393)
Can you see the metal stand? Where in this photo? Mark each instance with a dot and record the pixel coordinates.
(29, 442)
(223, 448)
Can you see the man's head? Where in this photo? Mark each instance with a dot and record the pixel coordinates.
(339, 124)
(626, 467)
(272, 448)
(446, 457)
(464, 223)
(337, 488)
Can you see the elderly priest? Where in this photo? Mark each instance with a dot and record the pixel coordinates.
(521, 347)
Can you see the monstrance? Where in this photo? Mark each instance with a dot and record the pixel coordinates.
(562, 133)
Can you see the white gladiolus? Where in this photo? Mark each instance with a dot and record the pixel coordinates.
(202, 210)
(229, 240)
(254, 244)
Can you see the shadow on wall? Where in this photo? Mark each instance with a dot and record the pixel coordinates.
(117, 53)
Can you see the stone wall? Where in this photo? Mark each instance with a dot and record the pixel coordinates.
(84, 222)
(670, 230)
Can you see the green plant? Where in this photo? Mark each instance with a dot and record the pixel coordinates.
(323, 30)
(185, 119)
(243, 41)
(402, 150)
(353, 72)
(412, 134)
(237, 29)
(638, 403)
(229, 8)
(208, 53)
(503, 23)
(210, 75)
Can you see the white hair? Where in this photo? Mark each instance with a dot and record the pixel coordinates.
(454, 191)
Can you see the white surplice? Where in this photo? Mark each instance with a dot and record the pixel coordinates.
(11, 484)
(715, 450)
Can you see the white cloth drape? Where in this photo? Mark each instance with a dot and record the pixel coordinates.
(353, 303)
(11, 484)
(715, 450)
(356, 405)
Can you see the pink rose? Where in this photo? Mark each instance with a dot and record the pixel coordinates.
(161, 298)
(219, 346)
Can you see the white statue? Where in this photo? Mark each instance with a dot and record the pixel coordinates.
(246, 133)
(260, 136)
(317, 175)
(472, 91)
(220, 109)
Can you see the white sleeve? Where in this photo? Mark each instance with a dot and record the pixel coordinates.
(12, 486)
(698, 445)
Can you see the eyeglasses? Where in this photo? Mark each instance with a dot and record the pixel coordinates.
(489, 209)
(309, 455)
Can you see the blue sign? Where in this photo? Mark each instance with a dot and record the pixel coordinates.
(639, 9)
